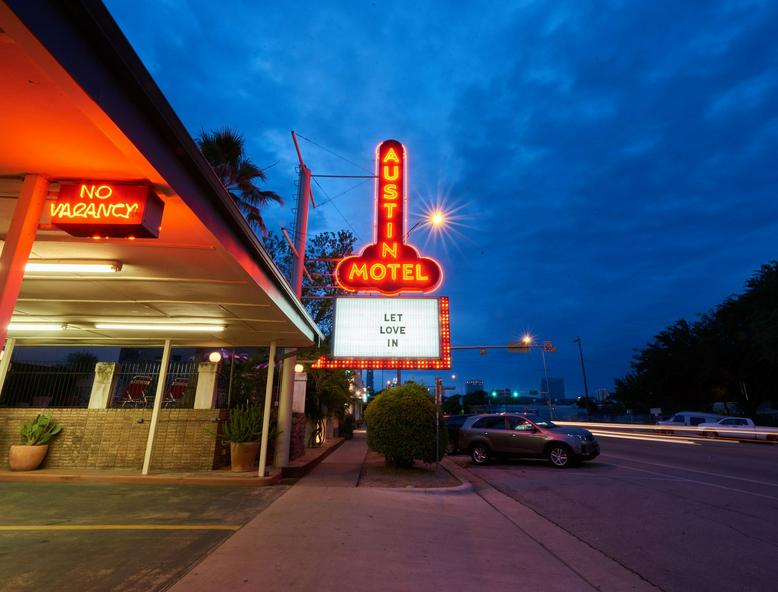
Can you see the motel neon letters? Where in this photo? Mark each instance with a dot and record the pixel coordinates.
(389, 265)
(105, 209)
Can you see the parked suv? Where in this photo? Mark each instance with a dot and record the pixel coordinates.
(453, 423)
(506, 435)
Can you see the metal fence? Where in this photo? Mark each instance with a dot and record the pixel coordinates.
(48, 384)
(136, 385)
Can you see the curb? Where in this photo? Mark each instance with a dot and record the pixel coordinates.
(300, 470)
(168, 479)
(589, 563)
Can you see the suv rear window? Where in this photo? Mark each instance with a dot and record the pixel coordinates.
(697, 420)
(490, 423)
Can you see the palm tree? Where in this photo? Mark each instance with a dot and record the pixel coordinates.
(224, 149)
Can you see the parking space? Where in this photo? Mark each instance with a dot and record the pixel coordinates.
(95, 537)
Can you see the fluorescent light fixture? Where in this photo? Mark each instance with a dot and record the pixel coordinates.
(36, 327)
(71, 266)
(160, 327)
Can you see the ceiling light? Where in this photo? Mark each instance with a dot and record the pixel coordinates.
(160, 327)
(71, 266)
(35, 327)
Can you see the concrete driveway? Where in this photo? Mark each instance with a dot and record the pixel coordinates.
(101, 537)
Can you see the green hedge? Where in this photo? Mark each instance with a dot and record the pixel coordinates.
(401, 425)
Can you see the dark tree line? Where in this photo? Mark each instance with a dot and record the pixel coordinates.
(729, 355)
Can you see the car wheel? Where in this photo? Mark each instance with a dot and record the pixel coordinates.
(560, 456)
(709, 434)
(480, 454)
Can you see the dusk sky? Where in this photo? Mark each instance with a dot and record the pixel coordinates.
(613, 164)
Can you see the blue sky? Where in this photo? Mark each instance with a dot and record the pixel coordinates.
(614, 163)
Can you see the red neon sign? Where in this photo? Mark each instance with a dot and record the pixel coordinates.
(389, 265)
(441, 363)
(105, 209)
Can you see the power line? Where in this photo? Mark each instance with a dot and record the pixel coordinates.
(335, 153)
(337, 209)
(345, 191)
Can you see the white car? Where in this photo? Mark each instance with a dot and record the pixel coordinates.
(741, 428)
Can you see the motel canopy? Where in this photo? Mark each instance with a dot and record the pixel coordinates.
(82, 122)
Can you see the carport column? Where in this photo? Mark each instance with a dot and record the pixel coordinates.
(271, 368)
(284, 431)
(157, 406)
(5, 363)
(18, 244)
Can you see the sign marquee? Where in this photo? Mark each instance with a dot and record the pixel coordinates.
(105, 209)
(404, 333)
(390, 333)
(389, 265)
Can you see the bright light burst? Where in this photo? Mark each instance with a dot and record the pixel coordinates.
(443, 221)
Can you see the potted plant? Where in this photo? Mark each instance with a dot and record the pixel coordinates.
(242, 431)
(36, 436)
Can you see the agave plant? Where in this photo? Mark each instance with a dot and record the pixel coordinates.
(39, 431)
(244, 424)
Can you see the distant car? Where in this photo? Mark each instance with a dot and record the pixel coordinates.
(453, 423)
(686, 419)
(509, 435)
(741, 428)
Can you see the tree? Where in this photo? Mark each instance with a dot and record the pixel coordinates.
(322, 254)
(225, 150)
(729, 354)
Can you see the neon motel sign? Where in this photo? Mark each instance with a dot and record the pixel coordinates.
(389, 265)
(106, 209)
(390, 333)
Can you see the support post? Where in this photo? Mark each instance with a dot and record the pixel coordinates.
(271, 368)
(160, 392)
(18, 244)
(5, 363)
(583, 366)
(285, 404)
(207, 383)
(283, 437)
(103, 385)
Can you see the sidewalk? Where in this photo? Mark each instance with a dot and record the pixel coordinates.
(327, 534)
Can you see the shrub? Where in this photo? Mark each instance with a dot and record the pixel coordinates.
(401, 425)
(39, 431)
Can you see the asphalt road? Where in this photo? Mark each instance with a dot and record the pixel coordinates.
(700, 516)
(98, 537)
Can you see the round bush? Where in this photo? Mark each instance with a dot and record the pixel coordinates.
(401, 425)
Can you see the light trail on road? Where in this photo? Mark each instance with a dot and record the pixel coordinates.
(647, 437)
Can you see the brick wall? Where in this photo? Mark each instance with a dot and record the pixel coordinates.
(106, 438)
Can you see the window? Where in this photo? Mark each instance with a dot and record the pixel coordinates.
(696, 420)
(519, 424)
(490, 423)
(678, 419)
(730, 422)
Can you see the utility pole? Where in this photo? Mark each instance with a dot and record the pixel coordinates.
(298, 268)
(583, 366)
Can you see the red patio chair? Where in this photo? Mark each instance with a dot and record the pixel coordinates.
(176, 392)
(135, 394)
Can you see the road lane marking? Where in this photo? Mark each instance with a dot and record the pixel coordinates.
(772, 497)
(646, 438)
(677, 468)
(66, 527)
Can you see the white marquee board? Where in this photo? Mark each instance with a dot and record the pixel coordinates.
(386, 328)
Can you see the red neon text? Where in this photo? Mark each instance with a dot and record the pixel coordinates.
(389, 265)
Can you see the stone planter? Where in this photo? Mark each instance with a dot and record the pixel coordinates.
(26, 458)
(243, 456)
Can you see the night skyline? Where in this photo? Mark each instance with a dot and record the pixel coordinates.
(613, 167)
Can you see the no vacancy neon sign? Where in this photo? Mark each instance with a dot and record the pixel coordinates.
(106, 209)
(389, 265)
